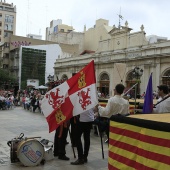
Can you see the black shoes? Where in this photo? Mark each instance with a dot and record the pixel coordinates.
(64, 157)
(85, 160)
(55, 155)
(78, 162)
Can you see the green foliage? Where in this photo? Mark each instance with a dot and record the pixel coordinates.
(5, 76)
(33, 65)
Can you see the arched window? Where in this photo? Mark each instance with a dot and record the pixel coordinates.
(104, 77)
(104, 85)
(166, 78)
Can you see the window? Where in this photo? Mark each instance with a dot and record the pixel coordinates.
(62, 30)
(5, 66)
(0, 24)
(5, 34)
(9, 18)
(6, 26)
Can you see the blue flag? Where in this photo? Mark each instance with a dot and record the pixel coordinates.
(148, 101)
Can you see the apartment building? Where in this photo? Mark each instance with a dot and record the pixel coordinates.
(64, 34)
(7, 20)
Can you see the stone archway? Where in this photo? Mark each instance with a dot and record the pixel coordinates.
(104, 84)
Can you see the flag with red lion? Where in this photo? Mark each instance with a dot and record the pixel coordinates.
(71, 98)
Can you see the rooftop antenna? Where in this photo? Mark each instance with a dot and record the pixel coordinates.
(27, 25)
(120, 17)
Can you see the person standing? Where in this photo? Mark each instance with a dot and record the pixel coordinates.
(116, 105)
(163, 103)
(84, 126)
(60, 141)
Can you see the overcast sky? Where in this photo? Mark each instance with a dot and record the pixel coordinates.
(33, 16)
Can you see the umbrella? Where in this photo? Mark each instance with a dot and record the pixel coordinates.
(42, 87)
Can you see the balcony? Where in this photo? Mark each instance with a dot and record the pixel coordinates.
(14, 68)
(5, 61)
(12, 57)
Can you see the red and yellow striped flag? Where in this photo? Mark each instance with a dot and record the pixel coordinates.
(138, 144)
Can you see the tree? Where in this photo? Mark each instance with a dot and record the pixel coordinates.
(5, 78)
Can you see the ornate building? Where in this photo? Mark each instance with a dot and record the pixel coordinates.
(116, 52)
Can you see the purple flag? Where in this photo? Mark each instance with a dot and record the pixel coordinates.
(148, 101)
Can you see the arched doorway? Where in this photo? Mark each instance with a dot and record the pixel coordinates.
(166, 78)
(104, 84)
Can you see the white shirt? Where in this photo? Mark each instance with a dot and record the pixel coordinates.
(87, 116)
(115, 105)
(163, 107)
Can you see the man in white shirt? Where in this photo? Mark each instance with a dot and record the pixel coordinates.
(116, 105)
(163, 103)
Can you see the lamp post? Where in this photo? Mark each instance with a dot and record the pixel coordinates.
(137, 73)
(50, 78)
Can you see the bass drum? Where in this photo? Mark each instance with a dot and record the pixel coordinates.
(30, 152)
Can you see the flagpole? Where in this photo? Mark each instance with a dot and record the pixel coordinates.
(130, 89)
(72, 143)
(135, 97)
(101, 139)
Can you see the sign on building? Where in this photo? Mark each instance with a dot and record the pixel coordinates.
(33, 83)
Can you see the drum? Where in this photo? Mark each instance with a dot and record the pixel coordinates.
(30, 152)
(13, 144)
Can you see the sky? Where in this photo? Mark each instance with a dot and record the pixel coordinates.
(33, 16)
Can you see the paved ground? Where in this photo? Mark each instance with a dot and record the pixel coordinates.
(16, 121)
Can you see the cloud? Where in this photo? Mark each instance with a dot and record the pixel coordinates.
(37, 14)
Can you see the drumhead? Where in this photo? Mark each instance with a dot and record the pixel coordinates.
(30, 152)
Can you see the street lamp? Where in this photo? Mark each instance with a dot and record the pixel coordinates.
(137, 72)
(50, 78)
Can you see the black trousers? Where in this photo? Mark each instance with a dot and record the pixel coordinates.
(74, 126)
(59, 142)
(83, 128)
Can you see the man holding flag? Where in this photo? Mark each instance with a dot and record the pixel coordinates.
(73, 97)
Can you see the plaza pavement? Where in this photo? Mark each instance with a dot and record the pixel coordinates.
(16, 121)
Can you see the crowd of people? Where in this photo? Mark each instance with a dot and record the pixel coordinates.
(28, 99)
(7, 100)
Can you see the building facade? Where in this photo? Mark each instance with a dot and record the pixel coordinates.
(64, 34)
(117, 53)
(34, 36)
(7, 20)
